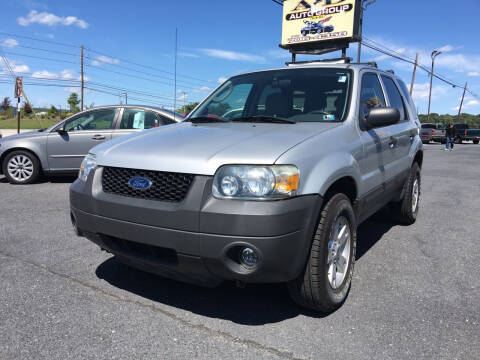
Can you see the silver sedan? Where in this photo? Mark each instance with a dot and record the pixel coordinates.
(61, 148)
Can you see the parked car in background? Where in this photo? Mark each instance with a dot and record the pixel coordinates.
(464, 133)
(472, 135)
(426, 132)
(61, 148)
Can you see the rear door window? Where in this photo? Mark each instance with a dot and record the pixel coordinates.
(139, 119)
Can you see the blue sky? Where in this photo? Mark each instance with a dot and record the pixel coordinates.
(217, 39)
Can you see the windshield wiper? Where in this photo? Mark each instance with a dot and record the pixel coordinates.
(207, 119)
(265, 119)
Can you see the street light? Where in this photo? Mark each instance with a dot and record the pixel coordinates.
(434, 55)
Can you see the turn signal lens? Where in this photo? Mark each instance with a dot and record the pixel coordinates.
(287, 183)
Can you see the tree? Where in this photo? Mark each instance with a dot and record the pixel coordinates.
(73, 102)
(5, 103)
(53, 111)
(27, 108)
(187, 108)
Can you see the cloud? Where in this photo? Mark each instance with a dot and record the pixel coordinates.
(474, 73)
(202, 89)
(51, 36)
(222, 79)
(49, 19)
(11, 43)
(233, 55)
(16, 66)
(422, 91)
(446, 48)
(67, 74)
(188, 55)
(100, 60)
(64, 75)
(44, 74)
(468, 103)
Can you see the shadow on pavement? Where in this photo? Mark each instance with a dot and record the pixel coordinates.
(256, 304)
(372, 230)
(47, 179)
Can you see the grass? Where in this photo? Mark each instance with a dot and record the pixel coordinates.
(26, 124)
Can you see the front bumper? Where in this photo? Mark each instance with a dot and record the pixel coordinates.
(199, 239)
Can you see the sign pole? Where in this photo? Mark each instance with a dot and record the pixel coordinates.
(18, 116)
(18, 93)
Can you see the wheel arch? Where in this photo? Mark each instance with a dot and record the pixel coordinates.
(19, 148)
(418, 158)
(345, 185)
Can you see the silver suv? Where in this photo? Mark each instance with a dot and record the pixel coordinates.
(265, 181)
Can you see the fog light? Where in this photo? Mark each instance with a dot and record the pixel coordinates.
(249, 258)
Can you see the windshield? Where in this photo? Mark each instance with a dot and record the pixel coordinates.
(298, 95)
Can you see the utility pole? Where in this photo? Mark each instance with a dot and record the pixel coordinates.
(120, 98)
(461, 103)
(81, 75)
(364, 5)
(434, 55)
(60, 111)
(126, 99)
(184, 101)
(413, 76)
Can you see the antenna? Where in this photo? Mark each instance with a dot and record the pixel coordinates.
(175, 94)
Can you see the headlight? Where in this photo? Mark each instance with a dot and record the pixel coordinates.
(88, 163)
(254, 182)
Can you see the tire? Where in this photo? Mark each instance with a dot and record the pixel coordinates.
(458, 140)
(405, 211)
(304, 33)
(314, 288)
(26, 164)
(476, 142)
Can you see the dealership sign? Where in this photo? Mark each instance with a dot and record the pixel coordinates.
(318, 23)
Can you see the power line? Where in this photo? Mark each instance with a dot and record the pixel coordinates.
(40, 40)
(439, 77)
(41, 58)
(146, 66)
(138, 71)
(101, 53)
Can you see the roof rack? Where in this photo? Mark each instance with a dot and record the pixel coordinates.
(332, 61)
(322, 61)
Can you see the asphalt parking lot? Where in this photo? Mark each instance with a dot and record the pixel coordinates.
(415, 295)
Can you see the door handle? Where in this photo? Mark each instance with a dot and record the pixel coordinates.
(393, 142)
(98, 137)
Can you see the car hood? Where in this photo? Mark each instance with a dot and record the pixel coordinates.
(202, 148)
(24, 135)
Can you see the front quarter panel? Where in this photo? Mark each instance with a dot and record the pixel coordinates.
(35, 144)
(326, 158)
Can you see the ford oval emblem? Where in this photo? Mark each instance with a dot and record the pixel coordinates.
(139, 183)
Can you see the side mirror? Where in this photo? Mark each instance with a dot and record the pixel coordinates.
(61, 130)
(380, 117)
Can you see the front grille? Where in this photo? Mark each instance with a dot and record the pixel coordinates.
(166, 186)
